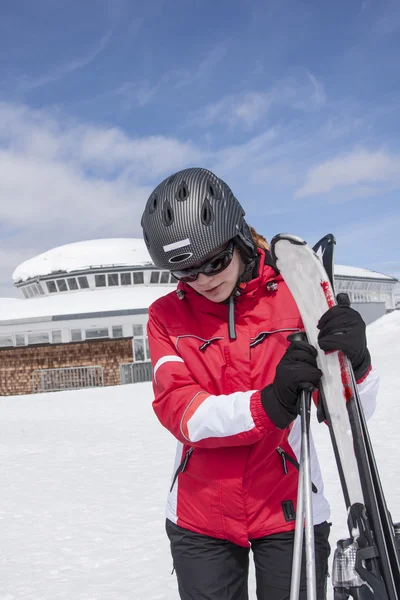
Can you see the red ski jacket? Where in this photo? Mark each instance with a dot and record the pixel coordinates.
(236, 474)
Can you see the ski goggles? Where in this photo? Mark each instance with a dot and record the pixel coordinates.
(212, 266)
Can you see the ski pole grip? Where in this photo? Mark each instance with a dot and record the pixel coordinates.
(299, 336)
(343, 299)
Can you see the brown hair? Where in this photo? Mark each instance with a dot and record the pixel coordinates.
(259, 239)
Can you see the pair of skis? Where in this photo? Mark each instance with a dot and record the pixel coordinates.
(367, 564)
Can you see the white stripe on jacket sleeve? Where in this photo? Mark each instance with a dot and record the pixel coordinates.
(163, 360)
(368, 390)
(219, 416)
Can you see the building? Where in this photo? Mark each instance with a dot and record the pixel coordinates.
(371, 293)
(81, 318)
(83, 305)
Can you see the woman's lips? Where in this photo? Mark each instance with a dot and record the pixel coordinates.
(212, 290)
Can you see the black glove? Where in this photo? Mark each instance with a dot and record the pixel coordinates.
(342, 328)
(296, 370)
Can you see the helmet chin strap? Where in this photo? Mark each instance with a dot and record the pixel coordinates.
(249, 272)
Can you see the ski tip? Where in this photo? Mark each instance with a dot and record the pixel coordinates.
(328, 240)
(293, 239)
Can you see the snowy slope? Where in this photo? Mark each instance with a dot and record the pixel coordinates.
(84, 480)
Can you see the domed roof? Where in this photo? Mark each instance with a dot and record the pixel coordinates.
(82, 256)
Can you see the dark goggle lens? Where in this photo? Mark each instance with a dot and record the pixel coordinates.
(212, 267)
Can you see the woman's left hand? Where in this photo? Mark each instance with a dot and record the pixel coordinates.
(342, 328)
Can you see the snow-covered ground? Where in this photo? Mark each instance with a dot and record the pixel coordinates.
(84, 476)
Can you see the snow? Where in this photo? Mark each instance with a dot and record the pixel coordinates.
(345, 271)
(72, 303)
(85, 477)
(81, 256)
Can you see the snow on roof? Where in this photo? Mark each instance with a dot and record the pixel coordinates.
(117, 252)
(344, 271)
(87, 301)
(80, 256)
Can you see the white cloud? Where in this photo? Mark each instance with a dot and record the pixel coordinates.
(248, 109)
(354, 169)
(27, 83)
(304, 93)
(318, 96)
(38, 134)
(246, 156)
(186, 77)
(65, 181)
(135, 94)
(244, 110)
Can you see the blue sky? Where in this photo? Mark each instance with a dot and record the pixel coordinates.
(294, 103)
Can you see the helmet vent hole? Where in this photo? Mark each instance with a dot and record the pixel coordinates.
(207, 213)
(181, 257)
(168, 214)
(213, 191)
(153, 204)
(182, 192)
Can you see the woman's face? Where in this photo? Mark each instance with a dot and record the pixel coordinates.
(218, 288)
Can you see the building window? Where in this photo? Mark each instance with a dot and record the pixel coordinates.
(40, 289)
(172, 279)
(6, 340)
(62, 285)
(76, 335)
(155, 276)
(138, 345)
(51, 287)
(25, 292)
(34, 290)
(117, 331)
(138, 330)
(83, 282)
(30, 291)
(100, 280)
(101, 332)
(72, 283)
(20, 339)
(113, 279)
(164, 277)
(126, 278)
(138, 277)
(38, 337)
(56, 337)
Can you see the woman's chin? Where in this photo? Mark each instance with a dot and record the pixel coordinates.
(218, 294)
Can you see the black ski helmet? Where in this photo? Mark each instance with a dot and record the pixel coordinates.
(189, 215)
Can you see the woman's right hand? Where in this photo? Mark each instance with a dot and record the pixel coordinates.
(297, 370)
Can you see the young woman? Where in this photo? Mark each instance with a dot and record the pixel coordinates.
(226, 380)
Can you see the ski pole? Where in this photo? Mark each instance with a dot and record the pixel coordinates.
(307, 485)
(304, 501)
(298, 539)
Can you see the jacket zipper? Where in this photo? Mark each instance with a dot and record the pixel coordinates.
(182, 466)
(203, 346)
(264, 334)
(286, 457)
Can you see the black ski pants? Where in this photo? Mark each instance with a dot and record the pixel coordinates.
(212, 569)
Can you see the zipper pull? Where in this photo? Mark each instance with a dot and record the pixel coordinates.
(282, 454)
(205, 345)
(186, 459)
